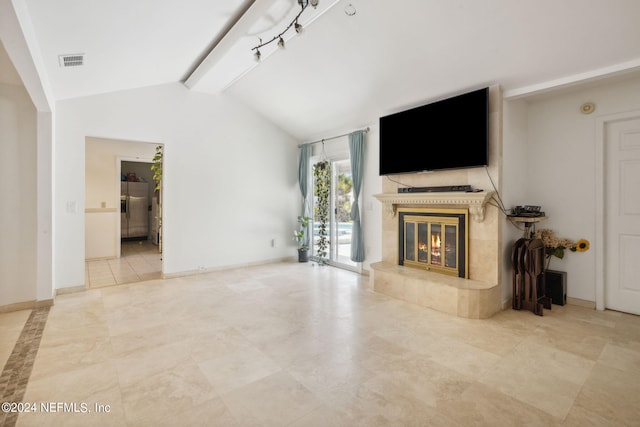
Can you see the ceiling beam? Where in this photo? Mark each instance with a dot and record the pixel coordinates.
(237, 28)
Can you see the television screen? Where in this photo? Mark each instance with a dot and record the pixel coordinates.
(449, 134)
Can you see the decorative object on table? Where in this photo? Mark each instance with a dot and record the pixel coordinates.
(527, 211)
(322, 190)
(556, 246)
(299, 236)
(556, 281)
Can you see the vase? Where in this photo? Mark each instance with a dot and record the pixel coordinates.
(303, 255)
(556, 286)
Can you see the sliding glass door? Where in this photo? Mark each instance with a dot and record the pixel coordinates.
(342, 192)
(339, 224)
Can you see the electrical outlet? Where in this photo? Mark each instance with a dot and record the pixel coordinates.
(273, 243)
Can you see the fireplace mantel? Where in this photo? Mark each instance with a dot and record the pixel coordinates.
(475, 202)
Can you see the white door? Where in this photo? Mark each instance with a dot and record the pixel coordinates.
(622, 216)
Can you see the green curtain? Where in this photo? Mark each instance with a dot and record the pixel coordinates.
(356, 150)
(303, 181)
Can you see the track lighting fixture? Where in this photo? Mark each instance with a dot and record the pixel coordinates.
(298, 28)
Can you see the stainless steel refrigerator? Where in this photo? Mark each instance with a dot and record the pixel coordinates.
(134, 210)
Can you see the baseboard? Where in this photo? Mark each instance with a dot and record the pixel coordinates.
(26, 305)
(18, 306)
(70, 290)
(581, 302)
(226, 267)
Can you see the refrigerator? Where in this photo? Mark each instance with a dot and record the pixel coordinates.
(134, 210)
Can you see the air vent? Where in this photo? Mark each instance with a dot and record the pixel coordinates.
(75, 60)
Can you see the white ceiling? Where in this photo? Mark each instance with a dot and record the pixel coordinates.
(343, 71)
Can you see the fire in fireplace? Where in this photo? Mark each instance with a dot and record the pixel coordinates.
(434, 239)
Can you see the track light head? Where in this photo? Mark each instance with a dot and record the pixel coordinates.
(294, 23)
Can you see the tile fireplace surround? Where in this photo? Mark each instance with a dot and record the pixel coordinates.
(479, 296)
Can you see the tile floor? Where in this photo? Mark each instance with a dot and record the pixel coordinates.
(18, 366)
(139, 260)
(295, 345)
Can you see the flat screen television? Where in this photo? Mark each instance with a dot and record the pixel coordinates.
(449, 134)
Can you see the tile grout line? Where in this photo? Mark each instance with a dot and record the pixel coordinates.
(17, 370)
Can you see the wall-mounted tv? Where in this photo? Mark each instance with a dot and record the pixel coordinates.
(449, 134)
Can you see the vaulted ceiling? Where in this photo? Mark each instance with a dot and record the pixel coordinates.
(354, 61)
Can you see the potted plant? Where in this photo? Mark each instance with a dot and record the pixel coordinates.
(322, 191)
(156, 167)
(299, 236)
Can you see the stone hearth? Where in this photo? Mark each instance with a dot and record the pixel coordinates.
(476, 297)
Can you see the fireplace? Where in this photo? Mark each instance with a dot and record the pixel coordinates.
(434, 240)
(467, 284)
(474, 292)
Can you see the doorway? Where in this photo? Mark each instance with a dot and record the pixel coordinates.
(113, 254)
(339, 227)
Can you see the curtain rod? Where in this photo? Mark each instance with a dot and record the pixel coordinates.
(365, 130)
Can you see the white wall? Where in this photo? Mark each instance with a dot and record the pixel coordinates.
(18, 195)
(561, 161)
(371, 209)
(230, 177)
(515, 178)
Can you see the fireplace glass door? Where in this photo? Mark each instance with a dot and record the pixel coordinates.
(432, 242)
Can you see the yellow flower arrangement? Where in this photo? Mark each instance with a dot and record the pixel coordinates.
(555, 246)
(582, 245)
